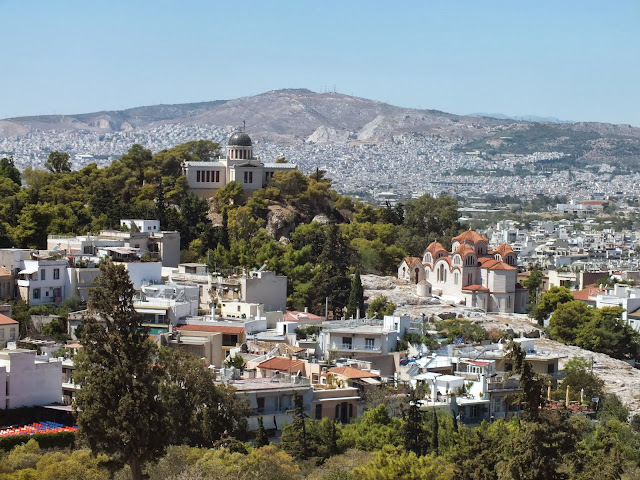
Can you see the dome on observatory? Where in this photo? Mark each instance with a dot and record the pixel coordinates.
(239, 139)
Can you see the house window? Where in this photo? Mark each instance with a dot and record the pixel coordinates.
(12, 333)
(497, 405)
(260, 402)
(36, 293)
(1, 334)
(509, 301)
(56, 274)
(197, 175)
(368, 343)
(43, 274)
(248, 177)
(551, 369)
(208, 175)
(319, 411)
(474, 411)
(57, 294)
(347, 342)
(217, 172)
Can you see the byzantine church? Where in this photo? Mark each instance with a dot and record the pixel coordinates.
(239, 165)
(470, 274)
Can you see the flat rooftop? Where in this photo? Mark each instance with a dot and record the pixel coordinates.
(247, 384)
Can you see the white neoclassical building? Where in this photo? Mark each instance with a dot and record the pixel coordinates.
(238, 164)
(471, 273)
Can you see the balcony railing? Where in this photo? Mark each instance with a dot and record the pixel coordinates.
(354, 347)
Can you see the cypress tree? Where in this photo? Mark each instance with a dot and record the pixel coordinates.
(356, 296)
(434, 432)
(118, 409)
(294, 436)
(413, 433)
(262, 439)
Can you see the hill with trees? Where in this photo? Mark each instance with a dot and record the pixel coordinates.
(298, 224)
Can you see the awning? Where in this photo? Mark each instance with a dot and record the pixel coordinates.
(370, 381)
(160, 311)
(334, 399)
(28, 271)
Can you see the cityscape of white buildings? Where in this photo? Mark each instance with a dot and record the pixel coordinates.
(356, 167)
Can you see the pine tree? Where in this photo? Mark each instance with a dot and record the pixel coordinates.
(356, 296)
(118, 408)
(262, 439)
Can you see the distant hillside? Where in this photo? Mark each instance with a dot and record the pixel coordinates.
(293, 116)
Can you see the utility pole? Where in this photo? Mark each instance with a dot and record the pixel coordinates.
(326, 308)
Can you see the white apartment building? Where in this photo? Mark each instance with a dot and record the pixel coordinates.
(28, 380)
(361, 338)
(43, 281)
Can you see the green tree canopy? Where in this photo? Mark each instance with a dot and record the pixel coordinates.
(58, 162)
(118, 408)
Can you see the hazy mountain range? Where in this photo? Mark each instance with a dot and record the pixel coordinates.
(298, 115)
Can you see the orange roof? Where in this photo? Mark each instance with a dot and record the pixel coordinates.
(282, 363)
(493, 264)
(4, 320)
(211, 328)
(476, 288)
(295, 316)
(504, 250)
(470, 236)
(586, 294)
(352, 373)
(464, 250)
(435, 247)
(411, 260)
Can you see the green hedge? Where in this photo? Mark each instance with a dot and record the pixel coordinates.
(45, 440)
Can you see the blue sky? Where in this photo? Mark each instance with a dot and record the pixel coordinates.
(575, 60)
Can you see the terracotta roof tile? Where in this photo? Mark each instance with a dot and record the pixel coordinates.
(435, 247)
(464, 250)
(475, 288)
(493, 264)
(586, 294)
(296, 316)
(283, 364)
(504, 250)
(352, 373)
(4, 320)
(211, 328)
(470, 235)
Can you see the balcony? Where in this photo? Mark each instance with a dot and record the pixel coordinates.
(354, 347)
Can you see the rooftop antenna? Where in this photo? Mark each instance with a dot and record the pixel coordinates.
(244, 126)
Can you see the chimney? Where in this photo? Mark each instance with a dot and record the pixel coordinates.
(358, 313)
(306, 309)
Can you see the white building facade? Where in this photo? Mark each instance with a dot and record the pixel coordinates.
(27, 380)
(238, 165)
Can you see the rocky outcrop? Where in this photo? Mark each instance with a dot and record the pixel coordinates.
(281, 220)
